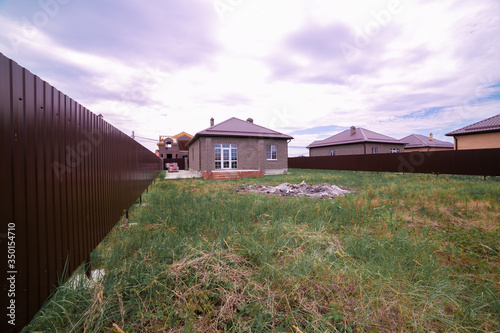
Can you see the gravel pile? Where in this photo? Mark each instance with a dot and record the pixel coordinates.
(302, 190)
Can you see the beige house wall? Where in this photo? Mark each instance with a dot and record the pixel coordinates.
(355, 149)
(409, 150)
(478, 141)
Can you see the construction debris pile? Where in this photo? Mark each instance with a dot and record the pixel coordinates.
(302, 190)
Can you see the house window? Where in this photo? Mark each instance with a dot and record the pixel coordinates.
(169, 155)
(374, 150)
(226, 156)
(332, 152)
(272, 152)
(395, 150)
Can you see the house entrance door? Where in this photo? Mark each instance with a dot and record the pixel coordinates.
(226, 158)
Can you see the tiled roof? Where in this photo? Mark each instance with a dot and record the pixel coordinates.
(420, 141)
(239, 128)
(486, 125)
(361, 135)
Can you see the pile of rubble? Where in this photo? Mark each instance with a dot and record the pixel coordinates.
(302, 190)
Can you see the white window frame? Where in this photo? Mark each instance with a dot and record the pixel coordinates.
(332, 152)
(374, 150)
(394, 150)
(269, 152)
(232, 154)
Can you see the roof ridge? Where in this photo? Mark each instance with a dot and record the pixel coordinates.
(363, 133)
(419, 137)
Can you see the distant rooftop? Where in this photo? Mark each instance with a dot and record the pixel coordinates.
(354, 135)
(421, 141)
(491, 124)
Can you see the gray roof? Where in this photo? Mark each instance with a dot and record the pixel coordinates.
(491, 124)
(239, 128)
(361, 135)
(421, 141)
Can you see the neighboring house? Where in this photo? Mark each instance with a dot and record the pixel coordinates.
(356, 141)
(417, 142)
(240, 146)
(174, 146)
(481, 135)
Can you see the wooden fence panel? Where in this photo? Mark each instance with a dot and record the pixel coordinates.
(66, 177)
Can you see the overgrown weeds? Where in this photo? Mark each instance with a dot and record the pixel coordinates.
(403, 253)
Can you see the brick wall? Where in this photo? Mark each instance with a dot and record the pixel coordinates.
(173, 151)
(251, 153)
(194, 156)
(478, 141)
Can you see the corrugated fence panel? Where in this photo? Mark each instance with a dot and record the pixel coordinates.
(482, 162)
(6, 180)
(66, 178)
(19, 269)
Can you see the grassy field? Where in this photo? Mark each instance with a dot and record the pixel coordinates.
(402, 253)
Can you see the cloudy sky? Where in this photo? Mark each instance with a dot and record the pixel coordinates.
(307, 68)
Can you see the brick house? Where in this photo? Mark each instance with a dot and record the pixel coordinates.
(417, 142)
(236, 148)
(173, 146)
(356, 141)
(481, 135)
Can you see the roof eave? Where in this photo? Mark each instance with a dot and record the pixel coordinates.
(472, 132)
(342, 143)
(197, 136)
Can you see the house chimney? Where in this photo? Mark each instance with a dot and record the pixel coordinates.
(431, 137)
(353, 130)
(212, 122)
(250, 120)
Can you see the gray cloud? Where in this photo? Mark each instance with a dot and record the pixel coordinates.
(164, 32)
(328, 62)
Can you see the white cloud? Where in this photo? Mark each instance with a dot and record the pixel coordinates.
(166, 67)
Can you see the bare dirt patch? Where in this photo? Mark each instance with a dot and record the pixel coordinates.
(301, 190)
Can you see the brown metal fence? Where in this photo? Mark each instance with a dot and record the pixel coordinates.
(483, 162)
(66, 177)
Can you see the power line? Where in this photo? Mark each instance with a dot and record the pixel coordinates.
(140, 137)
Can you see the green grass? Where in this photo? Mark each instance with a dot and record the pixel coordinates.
(402, 253)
